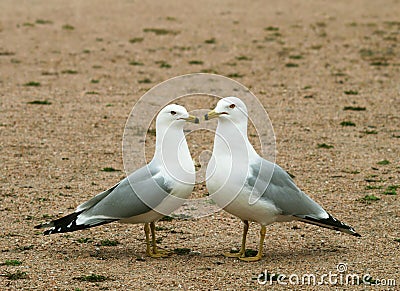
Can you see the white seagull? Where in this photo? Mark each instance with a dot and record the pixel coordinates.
(149, 193)
(252, 188)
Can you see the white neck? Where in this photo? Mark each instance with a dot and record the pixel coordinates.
(229, 166)
(231, 140)
(172, 153)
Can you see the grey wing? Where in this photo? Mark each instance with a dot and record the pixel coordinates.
(96, 199)
(275, 185)
(137, 194)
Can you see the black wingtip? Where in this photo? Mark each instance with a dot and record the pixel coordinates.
(44, 225)
(331, 223)
(68, 224)
(48, 232)
(64, 224)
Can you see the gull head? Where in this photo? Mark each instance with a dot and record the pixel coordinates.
(174, 115)
(231, 108)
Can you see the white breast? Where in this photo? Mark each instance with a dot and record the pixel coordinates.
(231, 193)
(261, 211)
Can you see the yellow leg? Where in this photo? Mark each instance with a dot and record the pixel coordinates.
(242, 251)
(147, 233)
(260, 248)
(154, 253)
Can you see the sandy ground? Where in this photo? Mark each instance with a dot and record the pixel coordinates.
(92, 60)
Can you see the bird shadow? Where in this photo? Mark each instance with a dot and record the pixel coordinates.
(138, 252)
(279, 254)
(276, 255)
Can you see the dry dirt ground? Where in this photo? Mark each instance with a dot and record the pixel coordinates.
(90, 61)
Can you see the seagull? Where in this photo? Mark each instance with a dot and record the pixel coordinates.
(147, 194)
(252, 188)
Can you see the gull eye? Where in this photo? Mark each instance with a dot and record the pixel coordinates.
(232, 106)
(173, 112)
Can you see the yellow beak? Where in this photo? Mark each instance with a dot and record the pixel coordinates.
(212, 114)
(191, 118)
